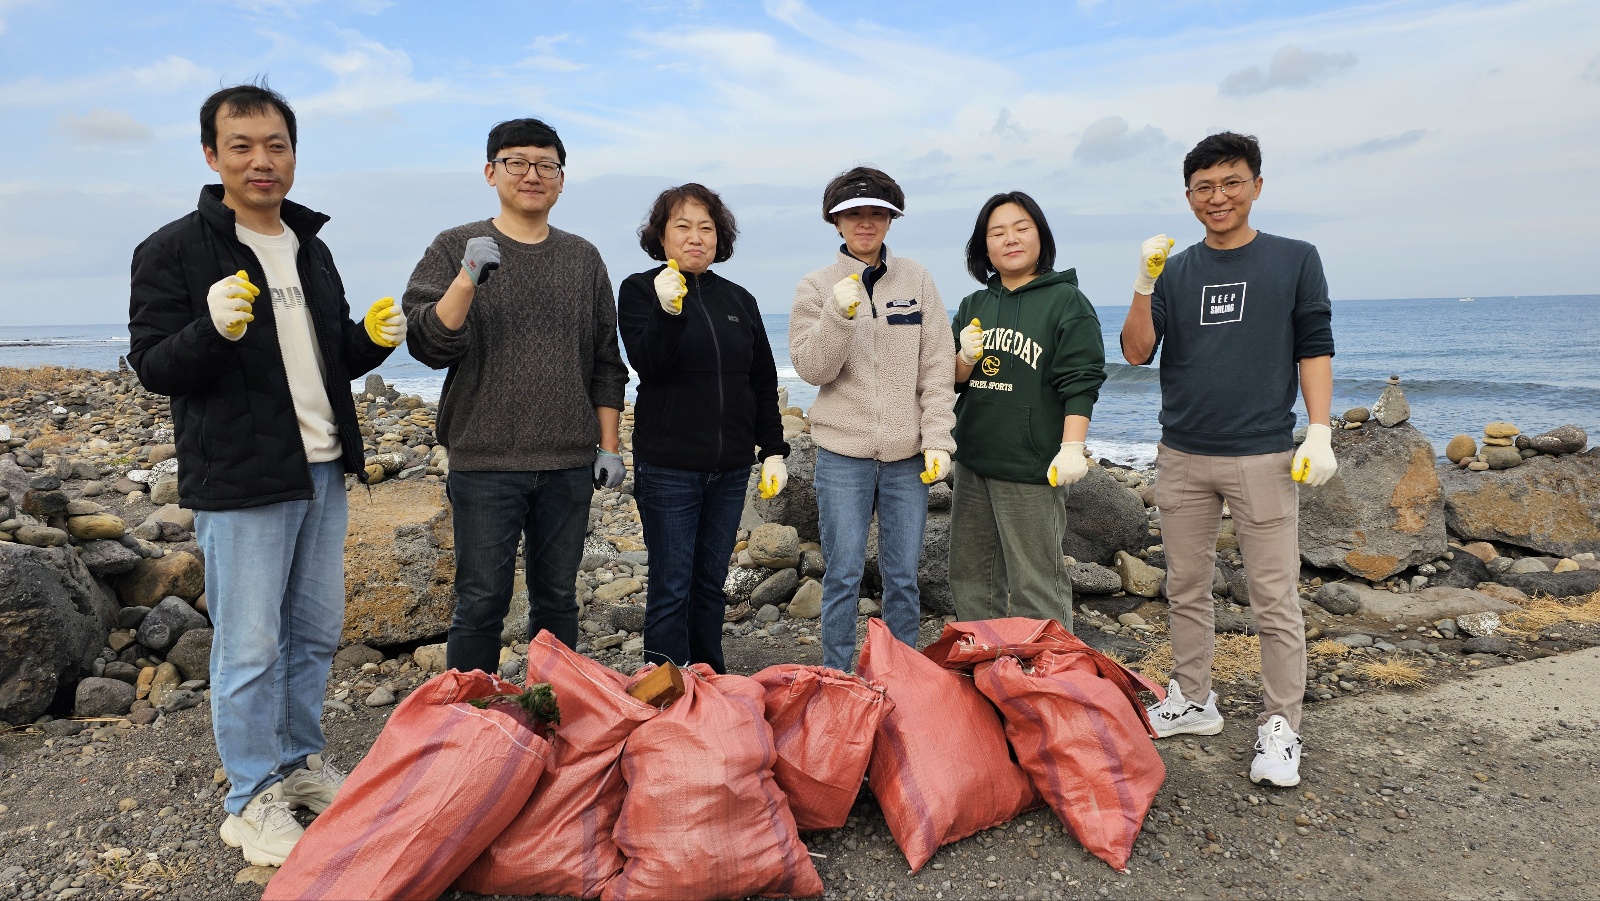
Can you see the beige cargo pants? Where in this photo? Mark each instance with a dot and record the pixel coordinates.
(1190, 491)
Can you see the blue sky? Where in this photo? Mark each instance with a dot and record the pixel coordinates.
(1428, 149)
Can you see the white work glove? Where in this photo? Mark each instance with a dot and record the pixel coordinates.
(231, 300)
(1313, 462)
(1152, 259)
(847, 295)
(972, 343)
(481, 259)
(774, 476)
(936, 463)
(671, 288)
(1069, 464)
(386, 323)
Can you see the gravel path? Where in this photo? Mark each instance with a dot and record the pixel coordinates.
(1487, 785)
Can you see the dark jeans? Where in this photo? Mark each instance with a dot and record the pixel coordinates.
(690, 521)
(550, 509)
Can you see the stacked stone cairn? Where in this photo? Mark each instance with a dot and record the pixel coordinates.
(1505, 447)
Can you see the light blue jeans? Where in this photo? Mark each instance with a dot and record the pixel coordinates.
(275, 592)
(848, 490)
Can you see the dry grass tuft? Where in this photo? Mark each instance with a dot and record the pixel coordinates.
(1395, 671)
(15, 382)
(1543, 611)
(148, 876)
(1236, 656)
(1327, 649)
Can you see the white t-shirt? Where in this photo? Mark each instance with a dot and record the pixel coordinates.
(297, 341)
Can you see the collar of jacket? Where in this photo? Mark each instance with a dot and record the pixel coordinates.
(845, 256)
(701, 279)
(303, 221)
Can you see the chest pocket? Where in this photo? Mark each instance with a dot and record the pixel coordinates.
(903, 312)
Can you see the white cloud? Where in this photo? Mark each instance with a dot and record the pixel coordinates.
(369, 78)
(1006, 127)
(170, 75)
(1110, 140)
(1383, 145)
(100, 127)
(1291, 67)
(292, 8)
(545, 58)
(6, 6)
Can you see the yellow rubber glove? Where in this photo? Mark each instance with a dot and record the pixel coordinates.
(774, 476)
(386, 323)
(937, 463)
(848, 294)
(1314, 463)
(1069, 464)
(972, 343)
(671, 287)
(1152, 259)
(230, 300)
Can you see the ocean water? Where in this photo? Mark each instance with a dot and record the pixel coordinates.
(1534, 361)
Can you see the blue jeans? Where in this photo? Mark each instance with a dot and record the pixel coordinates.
(690, 522)
(492, 510)
(275, 592)
(848, 490)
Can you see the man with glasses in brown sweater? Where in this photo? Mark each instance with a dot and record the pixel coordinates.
(523, 317)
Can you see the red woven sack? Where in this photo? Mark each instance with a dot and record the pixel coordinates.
(703, 817)
(1074, 717)
(940, 767)
(441, 781)
(823, 722)
(560, 843)
(1083, 743)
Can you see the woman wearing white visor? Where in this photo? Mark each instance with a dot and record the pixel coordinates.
(871, 332)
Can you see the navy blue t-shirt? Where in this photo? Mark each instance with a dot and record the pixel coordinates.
(1231, 325)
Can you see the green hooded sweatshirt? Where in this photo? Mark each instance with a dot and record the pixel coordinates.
(1043, 359)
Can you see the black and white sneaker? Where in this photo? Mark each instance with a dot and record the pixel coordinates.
(1277, 754)
(1178, 715)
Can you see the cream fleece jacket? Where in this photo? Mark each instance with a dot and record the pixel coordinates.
(887, 377)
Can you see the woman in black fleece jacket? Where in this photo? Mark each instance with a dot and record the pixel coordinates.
(707, 410)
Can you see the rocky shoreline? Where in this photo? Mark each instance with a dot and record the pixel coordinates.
(1416, 570)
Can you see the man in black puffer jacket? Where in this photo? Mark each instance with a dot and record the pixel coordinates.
(266, 429)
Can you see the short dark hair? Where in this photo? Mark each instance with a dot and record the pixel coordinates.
(1224, 147)
(524, 133)
(978, 245)
(878, 182)
(668, 202)
(243, 100)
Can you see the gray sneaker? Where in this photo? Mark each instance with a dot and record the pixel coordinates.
(313, 786)
(266, 832)
(1178, 715)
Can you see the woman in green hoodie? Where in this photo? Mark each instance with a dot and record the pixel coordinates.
(1029, 365)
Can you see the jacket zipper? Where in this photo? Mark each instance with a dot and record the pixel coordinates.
(716, 348)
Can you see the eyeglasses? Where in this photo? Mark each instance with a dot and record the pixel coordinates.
(516, 165)
(1229, 188)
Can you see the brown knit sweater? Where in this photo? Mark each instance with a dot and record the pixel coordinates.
(537, 353)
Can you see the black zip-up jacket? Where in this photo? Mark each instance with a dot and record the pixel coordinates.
(708, 386)
(238, 440)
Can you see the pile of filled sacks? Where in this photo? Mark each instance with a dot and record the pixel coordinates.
(706, 796)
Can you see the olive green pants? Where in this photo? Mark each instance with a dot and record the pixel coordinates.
(1005, 549)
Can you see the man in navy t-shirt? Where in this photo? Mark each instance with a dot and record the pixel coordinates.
(1242, 320)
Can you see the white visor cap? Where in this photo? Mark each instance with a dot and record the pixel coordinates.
(854, 202)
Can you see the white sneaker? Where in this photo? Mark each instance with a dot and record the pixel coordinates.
(313, 785)
(1179, 716)
(1277, 754)
(266, 832)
